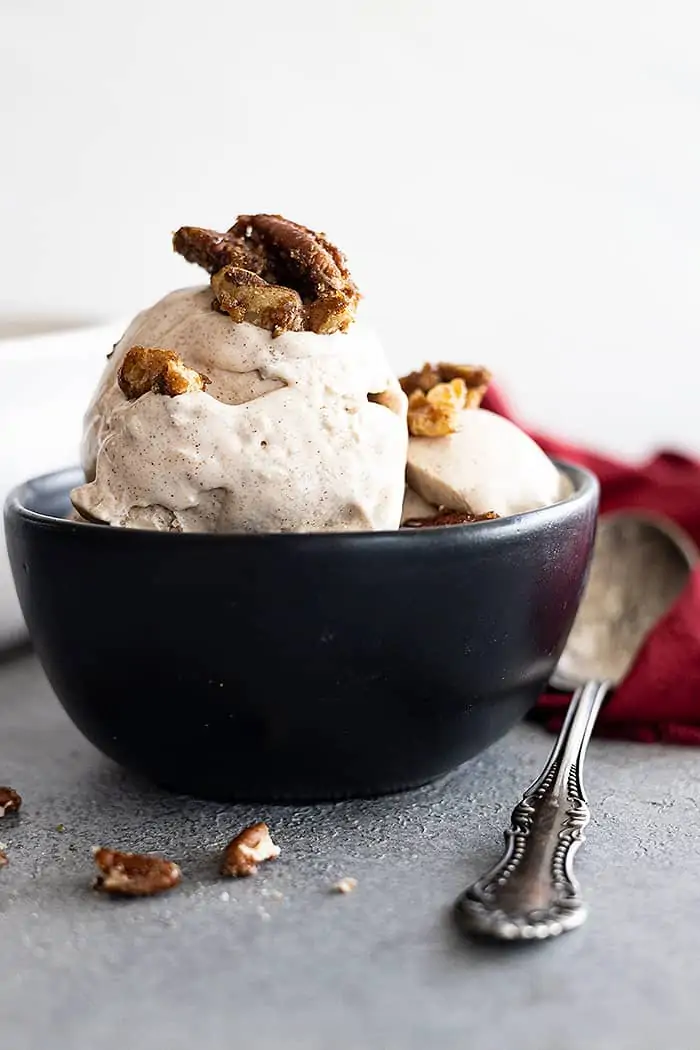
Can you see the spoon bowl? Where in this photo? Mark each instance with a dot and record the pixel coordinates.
(640, 565)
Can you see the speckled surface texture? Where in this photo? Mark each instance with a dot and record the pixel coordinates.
(379, 969)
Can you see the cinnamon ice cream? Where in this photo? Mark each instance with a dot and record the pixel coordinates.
(487, 464)
(272, 411)
(463, 458)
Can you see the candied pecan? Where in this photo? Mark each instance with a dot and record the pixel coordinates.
(298, 257)
(134, 874)
(436, 413)
(147, 368)
(246, 297)
(476, 380)
(449, 517)
(250, 847)
(10, 801)
(425, 380)
(283, 254)
(212, 250)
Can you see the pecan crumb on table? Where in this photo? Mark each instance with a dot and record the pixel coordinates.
(10, 801)
(345, 885)
(247, 850)
(134, 874)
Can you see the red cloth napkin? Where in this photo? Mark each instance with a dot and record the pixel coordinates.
(659, 700)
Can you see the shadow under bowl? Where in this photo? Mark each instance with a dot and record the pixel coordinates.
(297, 666)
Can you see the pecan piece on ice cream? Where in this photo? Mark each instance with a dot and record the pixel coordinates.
(285, 255)
(436, 413)
(449, 517)
(212, 250)
(246, 297)
(438, 393)
(147, 368)
(476, 379)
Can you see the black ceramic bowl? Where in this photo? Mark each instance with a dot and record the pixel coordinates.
(297, 666)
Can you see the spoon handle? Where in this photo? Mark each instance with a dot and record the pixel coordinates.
(532, 893)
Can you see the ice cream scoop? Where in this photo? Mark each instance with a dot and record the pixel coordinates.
(295, 432)
(486, 464)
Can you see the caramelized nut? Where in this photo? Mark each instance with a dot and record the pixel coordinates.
(250, 847)
(246, 297)
(449, 517)
(212, 250)
(134, 874)
(438, 393)
(150, 368)
(306, 261)
(476, 379)
(3, 859)
(285, 255)
(10, 801)
(436, 413)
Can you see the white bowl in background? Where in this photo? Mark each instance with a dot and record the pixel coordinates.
(46, 382)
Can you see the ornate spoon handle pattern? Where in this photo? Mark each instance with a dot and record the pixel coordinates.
(532, 893)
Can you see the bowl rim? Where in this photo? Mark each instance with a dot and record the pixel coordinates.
(585, 489)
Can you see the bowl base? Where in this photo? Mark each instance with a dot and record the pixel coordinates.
(300, 797)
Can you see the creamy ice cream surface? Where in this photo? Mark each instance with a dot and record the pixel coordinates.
(285, 436)
(486, 464)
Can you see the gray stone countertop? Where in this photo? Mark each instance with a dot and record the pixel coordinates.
(282, 962)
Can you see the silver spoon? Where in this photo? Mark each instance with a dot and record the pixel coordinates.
(640, 565)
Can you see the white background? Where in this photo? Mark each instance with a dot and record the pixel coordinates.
(514, 183)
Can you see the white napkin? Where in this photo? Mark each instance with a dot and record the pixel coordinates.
(45, 384)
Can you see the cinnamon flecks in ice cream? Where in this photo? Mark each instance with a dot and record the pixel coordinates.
(439, 393)
(285, 255)
(449, 517)
(148, 368)
(298, 432)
